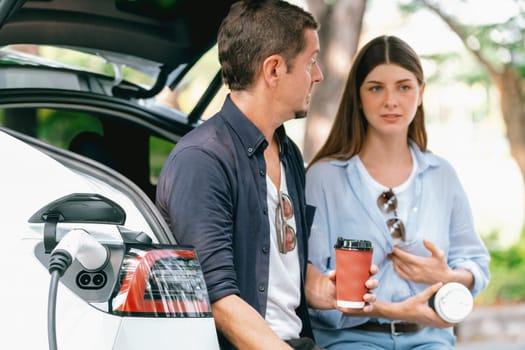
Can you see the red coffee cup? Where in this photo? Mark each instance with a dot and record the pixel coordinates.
(352, 269)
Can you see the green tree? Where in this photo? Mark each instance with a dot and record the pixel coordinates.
(500, 49)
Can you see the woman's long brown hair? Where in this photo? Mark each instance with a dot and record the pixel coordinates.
(350, 125)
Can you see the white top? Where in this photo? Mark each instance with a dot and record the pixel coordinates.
(402, 192)
(285, 277)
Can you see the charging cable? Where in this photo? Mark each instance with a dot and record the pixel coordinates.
(90, 253)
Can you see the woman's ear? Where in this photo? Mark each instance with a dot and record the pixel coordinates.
(421, 91)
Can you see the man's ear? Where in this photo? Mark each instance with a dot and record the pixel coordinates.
(272, 69)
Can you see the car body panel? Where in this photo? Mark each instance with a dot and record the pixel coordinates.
(54, 181)
(89, 326)
(86, 328)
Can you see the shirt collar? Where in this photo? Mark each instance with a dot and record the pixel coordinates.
(424, 159)
(251, 137)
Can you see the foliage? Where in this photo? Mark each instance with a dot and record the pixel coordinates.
(59, 127)
(160, 150)
(507, 268)
(446, 69)
(499, 43)
(94, 63)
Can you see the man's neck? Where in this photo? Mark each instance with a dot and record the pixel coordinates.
(258, 110)
(273, 163)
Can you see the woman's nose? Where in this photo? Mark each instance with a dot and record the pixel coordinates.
(390, 99)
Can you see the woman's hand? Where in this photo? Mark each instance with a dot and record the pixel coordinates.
(416, 309)
(419, 269)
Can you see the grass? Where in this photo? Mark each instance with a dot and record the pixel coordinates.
(507, 268)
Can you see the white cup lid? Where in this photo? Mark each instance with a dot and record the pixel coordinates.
(453, 302)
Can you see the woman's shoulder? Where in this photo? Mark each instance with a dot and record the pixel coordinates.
(327, 169)
(319, 164)
(436, 159)
(436, 164)
(430, 159)
(328, 164)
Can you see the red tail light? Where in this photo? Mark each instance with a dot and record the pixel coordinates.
(161, 281)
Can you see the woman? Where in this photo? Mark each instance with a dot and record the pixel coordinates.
(374, 179)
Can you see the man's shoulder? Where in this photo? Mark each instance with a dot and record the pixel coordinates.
(210, 135)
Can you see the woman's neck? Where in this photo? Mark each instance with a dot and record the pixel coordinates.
(389, 163)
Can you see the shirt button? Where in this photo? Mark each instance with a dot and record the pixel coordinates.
(265, 250)
(265, 211)
(262, 172)
(261, 288)
(250, 149)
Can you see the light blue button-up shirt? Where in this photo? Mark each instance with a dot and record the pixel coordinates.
(439, 212)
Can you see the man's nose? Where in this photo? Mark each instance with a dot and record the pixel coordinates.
(318, 74)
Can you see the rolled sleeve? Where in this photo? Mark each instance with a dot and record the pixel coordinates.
(200, 212)
(481, 275)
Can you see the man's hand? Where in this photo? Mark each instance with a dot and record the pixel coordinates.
(244, 326)
(321, 291)
(369, 298)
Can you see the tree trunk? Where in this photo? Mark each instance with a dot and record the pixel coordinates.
(340, 22)
(511, 88)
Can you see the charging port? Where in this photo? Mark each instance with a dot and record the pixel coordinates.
(91, 280)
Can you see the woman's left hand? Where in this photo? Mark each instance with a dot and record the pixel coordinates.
(419, 269)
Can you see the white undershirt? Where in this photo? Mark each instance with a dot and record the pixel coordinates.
(284, 282)
(403, 195)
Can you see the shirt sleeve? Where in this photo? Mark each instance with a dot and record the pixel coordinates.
(467, 249)
(321, 251)
(200, 208)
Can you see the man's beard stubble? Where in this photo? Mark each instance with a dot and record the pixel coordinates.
(300, 114)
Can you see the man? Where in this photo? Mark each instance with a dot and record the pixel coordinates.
(234, 186)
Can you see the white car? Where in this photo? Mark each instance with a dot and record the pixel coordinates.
(88, 262)
(144, 295)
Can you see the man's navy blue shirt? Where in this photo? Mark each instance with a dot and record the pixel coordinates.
(212, 193)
